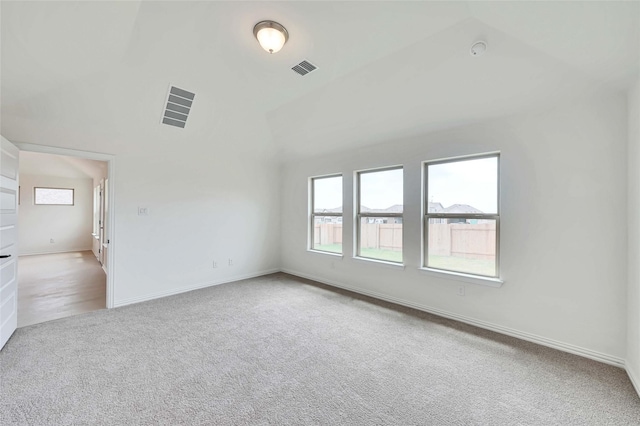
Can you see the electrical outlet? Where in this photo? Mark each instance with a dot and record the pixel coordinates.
(461, 290)
(52, 241)
(143, 211)
(215, 264)
(230, 262)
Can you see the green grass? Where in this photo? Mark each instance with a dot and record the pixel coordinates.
(332, 248)
(379, 254)
(461, 264)
(449, 263)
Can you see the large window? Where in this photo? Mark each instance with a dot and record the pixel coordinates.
(326, 214)
(53, 196)
(379, 214)
(462, 218)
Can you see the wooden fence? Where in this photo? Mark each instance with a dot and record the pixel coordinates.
(327, 233)
(385, 236)
(464, 240)
(445, 239)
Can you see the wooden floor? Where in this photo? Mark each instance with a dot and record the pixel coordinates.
(52, 286)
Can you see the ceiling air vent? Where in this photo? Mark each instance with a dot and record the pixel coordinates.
(178, 106)
(304, 67)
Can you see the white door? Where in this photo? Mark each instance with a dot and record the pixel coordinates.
(8, 239)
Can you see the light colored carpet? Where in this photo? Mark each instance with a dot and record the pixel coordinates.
(281, 350)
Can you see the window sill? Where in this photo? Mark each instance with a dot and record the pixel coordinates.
(328, 253)
(457, 276)
(392, 265)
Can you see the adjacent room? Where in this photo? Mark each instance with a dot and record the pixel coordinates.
(60, 237)
(320, 212)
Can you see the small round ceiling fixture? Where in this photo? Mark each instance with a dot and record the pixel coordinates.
(478, 48)
(271, 35)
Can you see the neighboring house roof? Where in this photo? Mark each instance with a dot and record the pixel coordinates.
(435, 207)
(461, 208)
(396, 208)
(333, 210)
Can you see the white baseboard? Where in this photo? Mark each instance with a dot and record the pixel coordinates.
(635, 379)
(37, 253)
(565, 347)
(166, 293)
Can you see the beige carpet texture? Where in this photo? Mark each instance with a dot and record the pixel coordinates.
(278, 350)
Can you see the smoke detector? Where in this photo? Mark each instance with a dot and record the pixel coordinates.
(478, 48)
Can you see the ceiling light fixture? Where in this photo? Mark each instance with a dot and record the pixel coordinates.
(271, 35)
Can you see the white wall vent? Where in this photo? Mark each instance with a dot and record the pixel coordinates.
(178, 106)
(304, 67)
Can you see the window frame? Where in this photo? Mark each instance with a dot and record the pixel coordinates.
(490, 216)
(73, 196)
(313, 214)
(359, 215)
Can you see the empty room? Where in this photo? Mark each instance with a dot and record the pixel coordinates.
(315, 212)
(60, 219)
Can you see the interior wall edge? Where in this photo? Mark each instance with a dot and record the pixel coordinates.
(633, 376)
(523, 335)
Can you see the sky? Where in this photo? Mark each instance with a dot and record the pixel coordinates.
(379, 190)
(328, 193)
(473, 182)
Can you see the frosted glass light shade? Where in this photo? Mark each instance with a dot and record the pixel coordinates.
(271, 35)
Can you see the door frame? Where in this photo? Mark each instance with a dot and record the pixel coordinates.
(101, 221)
(111, 173)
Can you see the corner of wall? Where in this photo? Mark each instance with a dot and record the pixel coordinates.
(633, 235)
(633, 376)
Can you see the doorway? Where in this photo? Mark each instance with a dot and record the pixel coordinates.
(65, 265)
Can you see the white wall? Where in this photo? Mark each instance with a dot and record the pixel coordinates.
(563, 225)
(211, 194)
(69, 226)
(633, 330)
(201, 209)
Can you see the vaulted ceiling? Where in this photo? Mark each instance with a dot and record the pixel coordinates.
(94, 75)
